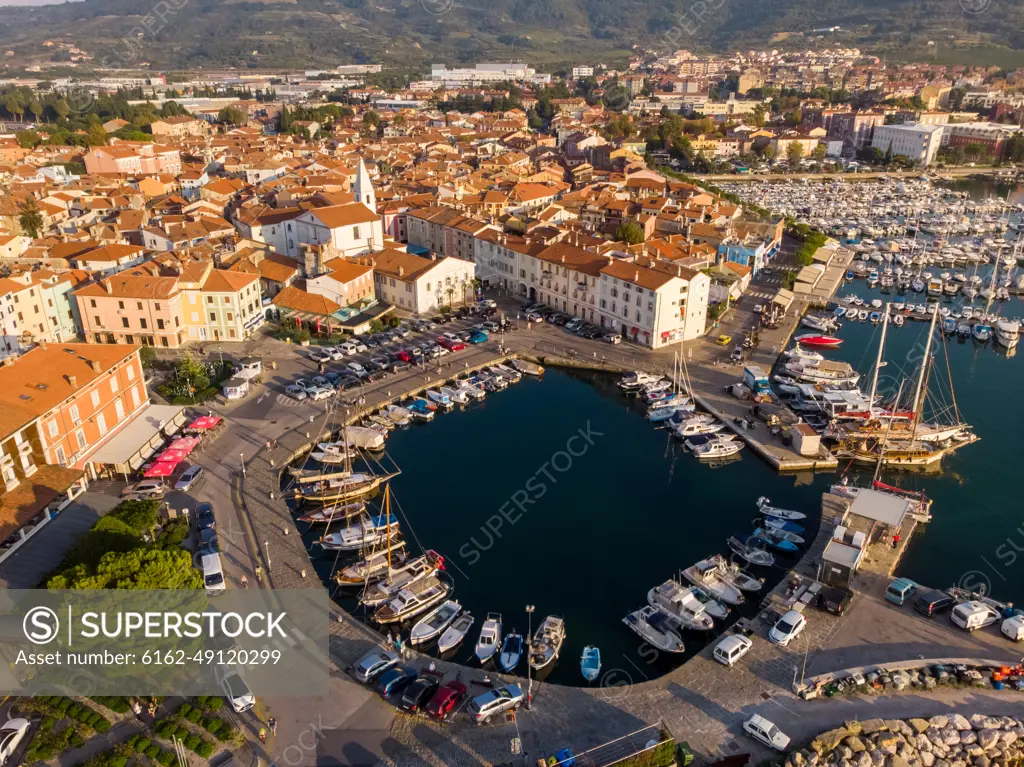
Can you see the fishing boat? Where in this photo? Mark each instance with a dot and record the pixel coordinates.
(340, 489)
(434, 623)
(420, 410)
(364, 438)
(761, 537)
(412, 601)
(949, 325)
(699, 440)
(636, 380)
(511, 652)
(751, 554)
(380, 422)
(981, 332)
(440, 399)
(373, 566)
(527, 367)
(510, 374)
(458, 396)
(764, 507)
(734, 574)
(800, 353)
(773, 523)
(490, 638)
(590, 663)
(398, 415)
(776, 533)
(678, 602)
(821, 341)
(330, 514)
(717, 449)
(707, 575)
(712, 606)
(331, 453)
(401, 577)
(455, 633)
(472, 391)
(656, 628)
(364, 534)
(547, 642)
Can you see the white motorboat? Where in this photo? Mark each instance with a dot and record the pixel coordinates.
(699, 424)
(822, 324)
(402, 577)
(509, 374)
(656, 628)
(547, 642)
(331, 453)
(734, 574)
(440, 399)
(752, 554)
(458, 396)
(399, 415)
(455, 633)
(677, 601)
(800, 353)
(490, 638)
(764, 507)
(717, 449)
(365, 438)
(472, 391)
(412, 601)
(708, 576)
(637, 380)
(1007, 333)
(713, 607)
(527, 367)
(434, 623)
(330, 514)
(372, 567)
(364, 534)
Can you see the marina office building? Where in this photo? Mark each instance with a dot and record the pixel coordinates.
(919, 143)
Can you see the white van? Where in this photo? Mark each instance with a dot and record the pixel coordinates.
(732, 648)
(974, 615)
(1013, 627)
(213, 573)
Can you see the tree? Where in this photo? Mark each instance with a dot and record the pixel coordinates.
(61, 109)
(148, 356)
(35, 108)
(819, 152)
(14, 107)
(372, 119)
(191, 376)
(30, 219)
(96, 136)
(629, 232)
(139, 568)
(794, 152)
(231, 116)
(28, 139)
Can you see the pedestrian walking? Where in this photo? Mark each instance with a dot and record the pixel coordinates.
(245, 581)
(263, 735)
(272, 723)
(896, 540)
(259, 573)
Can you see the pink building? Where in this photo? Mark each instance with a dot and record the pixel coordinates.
(133, 158)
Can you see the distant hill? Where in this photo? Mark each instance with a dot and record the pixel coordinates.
(321, 33)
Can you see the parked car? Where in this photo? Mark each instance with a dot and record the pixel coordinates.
(834, 600)
(356, 368)
(320, 355)
(483, 707)
(374, 664)
(208, 541)
(334, 351)
(723, 340)
(404, 356)
(900, 591)
(381, 362)
(787, 628)
(323, 382)
(765, 731)
(205, 517)
(732, 648)
(418, 692)
(395, 680)
(188, 478)
(320, 393)
(446, 699)
(613, 338)
(534, 317)
(11, 734)
(478, 337)
(933, 602)
(358, 345)
(213, 573)
(237, 691)
(296, 392)
(146, 489)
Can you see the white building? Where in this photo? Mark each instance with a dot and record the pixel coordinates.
(420, 285)
(919, 143)
(578, 73)
(486, 73)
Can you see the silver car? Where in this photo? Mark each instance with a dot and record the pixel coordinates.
(188, 478)
(373, 664)
(296, 392)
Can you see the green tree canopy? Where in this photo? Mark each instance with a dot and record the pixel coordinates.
(30, 219)
(629, 232)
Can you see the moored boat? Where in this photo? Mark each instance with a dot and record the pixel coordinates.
(656, 628)
(590, 663)
(511, 652)
(677, 601)
(764, 507)
(363, 534)
(527, 367)
(751, 554)
(401, 577)
(490, 638)
(455, 634)
(707, 575)
(547, 642)
(412, 601)
(434, 623)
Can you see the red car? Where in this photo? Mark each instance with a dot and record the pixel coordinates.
(404, 356)
(451, 344)
(446, 699)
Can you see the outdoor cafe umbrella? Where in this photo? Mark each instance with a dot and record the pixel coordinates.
(205, 422)
(171, 456)
(184, 444)
(160, 469)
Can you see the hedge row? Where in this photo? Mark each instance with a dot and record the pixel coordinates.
(78, 712)
(143, 745)
(117, 704)
(169, 729)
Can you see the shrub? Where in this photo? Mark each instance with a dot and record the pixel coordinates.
(142, 744)
(205, 749)
(74, 739)
(212, 726)
(194, 715)
(64, 704)
(117, 761)
(117, 704)
(152, 751)
(192, 741)
(201, 700)
(167, 758)
(213, 703)
(47, 723)
(102, 726)
(181, 732)
(91, 718)
(225, 735)
(184, 709)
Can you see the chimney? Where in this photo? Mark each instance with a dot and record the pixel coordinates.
(636, 276)
(107, 286)
(96, 366)
(73, 381)
(401, 271)
(42, 345)
(679, 271)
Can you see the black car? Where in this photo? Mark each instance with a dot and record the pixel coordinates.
(204, 516)
(395, 680)
(349, 382)
(418, 693)
(208, 541)
(834, 600)
(371, 367)
(399, 365)
(933, 602)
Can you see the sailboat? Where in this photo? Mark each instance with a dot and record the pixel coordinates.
(366, 533)
(373, 566)
(400, 577)
(330, 514)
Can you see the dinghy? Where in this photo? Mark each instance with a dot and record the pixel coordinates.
(590, 663)
(433, 624)
(453, 637)
(753, 555)
(511, 652)
(773, 511)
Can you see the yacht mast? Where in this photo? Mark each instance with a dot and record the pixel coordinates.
(919, 394)
(879, 362)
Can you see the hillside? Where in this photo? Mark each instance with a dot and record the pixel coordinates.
(306, 33)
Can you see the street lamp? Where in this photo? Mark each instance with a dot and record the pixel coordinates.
(266, 548)
(529, 676)
(241, 457)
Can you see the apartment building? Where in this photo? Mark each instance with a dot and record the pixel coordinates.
(919, 143)
(133, 159)
(58, 404)
(179, 127)
(344, 282)
(37, 306)
(145, 306)
(420, 285)
(444, 230)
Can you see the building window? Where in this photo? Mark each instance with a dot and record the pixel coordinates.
(163, 341)
(119, 409)
(160, 324)
(231, 332)
(113, 385)
(176, 322)
(230, 316)
(10, 477)
(213, 317)
(135, 397)
(53, 428)
(92, 302)
(129, 339)
(59, 455)
(209, 299)
(101, 424)
(124, 322)
(355, 232)
(95, 398)
(138, 305)
(96, 320)
(143, 321)
(120, 304)
(80, 436)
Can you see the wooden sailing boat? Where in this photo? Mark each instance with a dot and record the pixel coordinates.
(378, 564)
(339, 487)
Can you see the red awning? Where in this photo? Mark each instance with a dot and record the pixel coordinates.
(160, 469)
(666, 333)
(205, 422)
(185, 444)
(634, 331)
(171, 456)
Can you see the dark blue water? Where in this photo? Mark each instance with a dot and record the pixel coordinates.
(496, 489)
